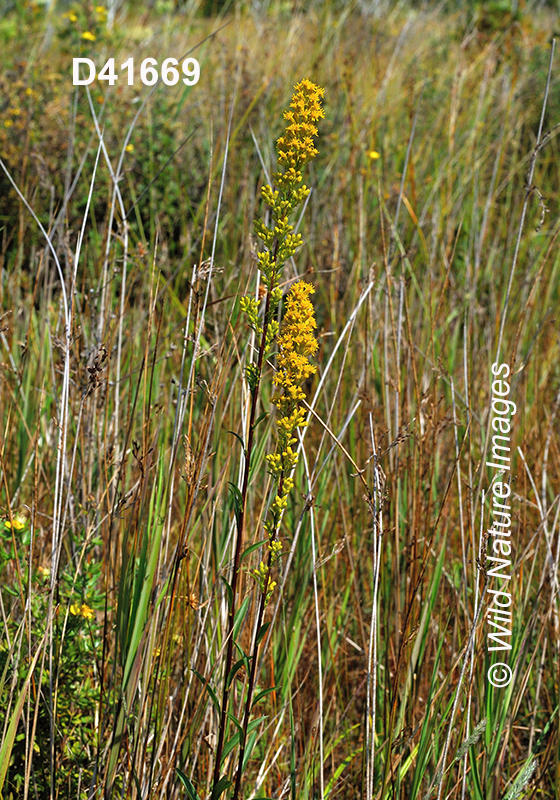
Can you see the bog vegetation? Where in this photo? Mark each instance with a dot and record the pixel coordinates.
(241, 555)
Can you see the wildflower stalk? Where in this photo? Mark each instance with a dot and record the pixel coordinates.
(239, 543)
(296, 343)
(295, 148)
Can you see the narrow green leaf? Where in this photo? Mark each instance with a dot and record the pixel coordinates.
(262, 694)
(191, 791)
(235, 721)
(249, 748)
(230, 744)
(240, 616)
(339, 770)
(260, 418)
(238, 737)
(235, 669)
(256, 722)
(8, 743)
(210, 691)
(242, 653)
(220, 788)
(237, 499)
(229, 590)
(251, 548)
(544, 734)
(240, 440)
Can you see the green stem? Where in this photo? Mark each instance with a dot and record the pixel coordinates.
(252, 675)
(240, 526)
(247, 714)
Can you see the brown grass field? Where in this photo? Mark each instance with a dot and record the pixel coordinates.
(138, 658)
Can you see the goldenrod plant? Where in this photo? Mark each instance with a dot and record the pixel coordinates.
(296, 342)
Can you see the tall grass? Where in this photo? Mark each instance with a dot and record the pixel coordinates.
(125, 247)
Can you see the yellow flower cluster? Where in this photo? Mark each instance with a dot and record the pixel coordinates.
(81, 611)
(262, 573)
(265, 584)
(18, 523)
(296, 341)
(296, 147)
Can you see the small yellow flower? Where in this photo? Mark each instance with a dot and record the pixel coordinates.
(15, 112)
(90, 37)
(129, 148)
(86, 611)
(19, 521)
(100, 9)
(373, 155)
(81, 611)
(70, 16)
(8, 123)
(29, 91)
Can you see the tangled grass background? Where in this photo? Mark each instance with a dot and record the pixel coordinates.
(124, 404)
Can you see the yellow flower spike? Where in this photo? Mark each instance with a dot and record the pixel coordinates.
(296, 147)
(296, 341)
(75, 610)
(86, 611)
